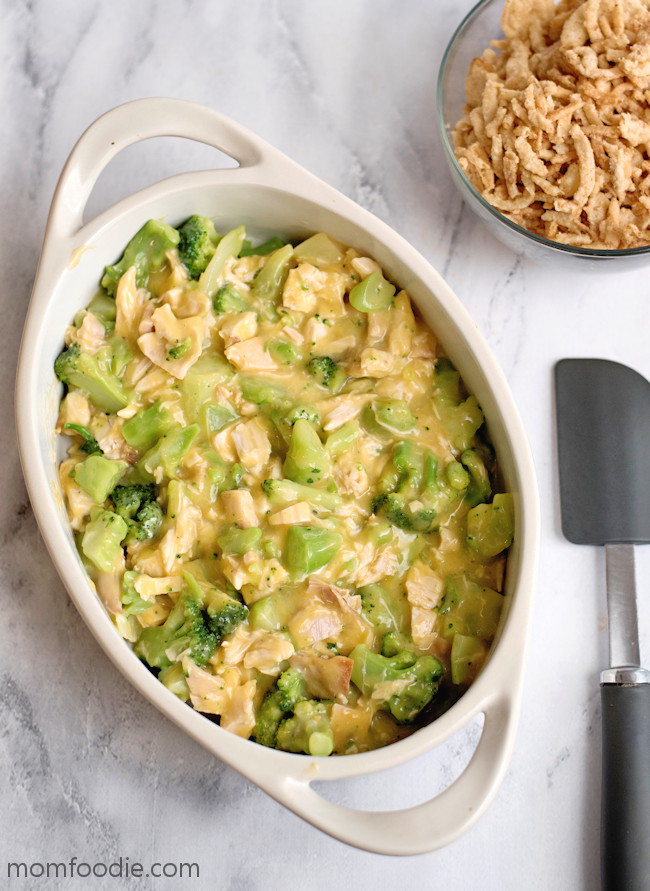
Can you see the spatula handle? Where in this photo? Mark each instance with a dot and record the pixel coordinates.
(625, 824)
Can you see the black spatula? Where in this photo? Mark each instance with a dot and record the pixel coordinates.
(603, 413)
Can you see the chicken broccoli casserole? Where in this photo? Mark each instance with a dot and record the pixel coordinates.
(280, 488)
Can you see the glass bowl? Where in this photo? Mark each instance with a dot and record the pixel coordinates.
(481, 25)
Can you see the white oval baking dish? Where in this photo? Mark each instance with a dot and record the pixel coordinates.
(272, 194)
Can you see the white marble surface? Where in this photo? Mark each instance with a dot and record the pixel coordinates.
(87, 767)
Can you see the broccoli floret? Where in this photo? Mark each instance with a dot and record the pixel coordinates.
(146, 251)
(413, 496)
(174, 679)
(138, 506)
(89, 445)
(228, 299)
(128, 500)
(148, 521)
(327, 373)
(223, 612)
(418, 676)
(197, 243)
(268, 719)
(291, 686)
(184, 632)
(277, 703)
(78, 369)
(402, 515)
(308, 731)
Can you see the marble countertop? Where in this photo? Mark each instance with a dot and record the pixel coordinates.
(87, 767)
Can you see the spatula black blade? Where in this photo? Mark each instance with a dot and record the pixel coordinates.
(603, 421)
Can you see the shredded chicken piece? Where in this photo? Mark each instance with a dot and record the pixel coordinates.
(74, 410)
(294, 515)
(350, 475)
(238, 713)
(112, 443)
(90, 335)
(302, 286)
(129, 305)
(268, 653)
(237, 327)
(372, 363)
(325, 677)
(172, 336)
(423, 624)
(252, 442)
(384, 563)
(424, 586)
(341, 409)
(239, 508)
(186, 304)
(251, 355)
(364, 266)
(149, 587)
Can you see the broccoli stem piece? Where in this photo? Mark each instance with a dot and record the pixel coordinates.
(260, 250)
(197, 243)
(215, 417)
(309, 548)
(263, 615)
(227, 249)
(284, 492)
(269, 281)
(197, 387)
(98, 476)
(394, 414)
(341, 440)
(168, 452)
(467, 656)
(259, 391)
(103, 308)
(373, 294)
(319, 250)
(418, 677)
(306, 462)
(461, 419)
(469, 608)
(81, 370)
(103, 537)
(146, 427)
(283, 352)
(490, 527)
(146, 251)
(233, 540)
(173, 678)
(379, 609)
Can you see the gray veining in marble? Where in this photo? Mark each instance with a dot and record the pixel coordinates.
(88, 768)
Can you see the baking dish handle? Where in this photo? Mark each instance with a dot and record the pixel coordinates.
(135, 122)
(425, 827)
